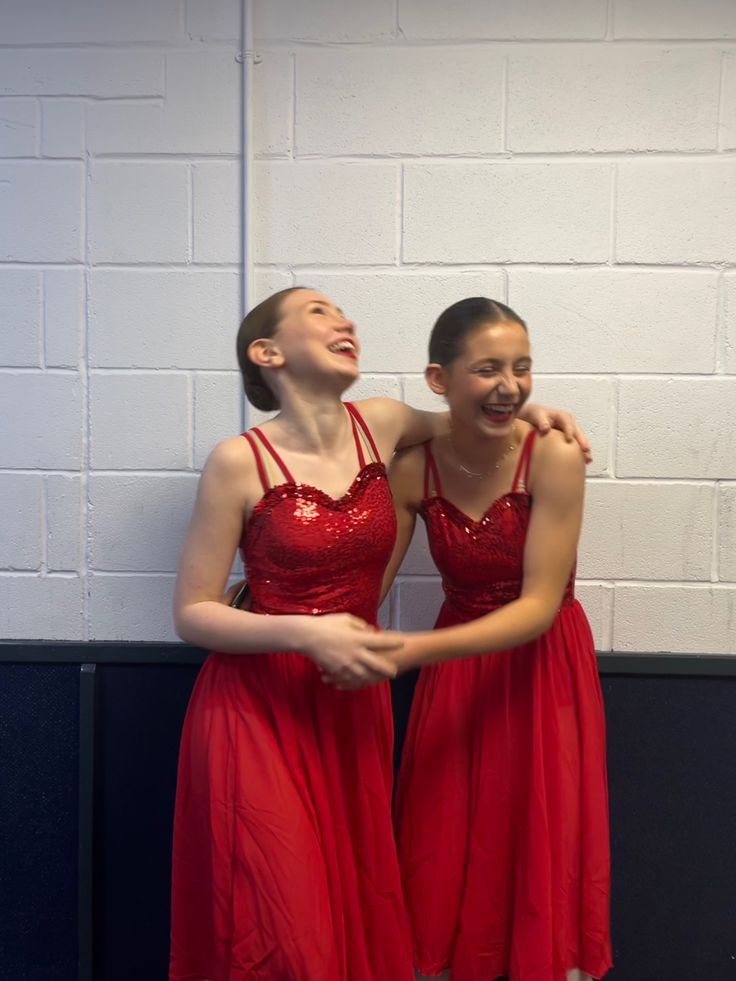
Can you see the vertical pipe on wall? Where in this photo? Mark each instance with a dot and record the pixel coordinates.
(247, 165)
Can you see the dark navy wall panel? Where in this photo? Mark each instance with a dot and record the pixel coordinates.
(140, 712)
(39, 725)
(672, 786)
(672, 771)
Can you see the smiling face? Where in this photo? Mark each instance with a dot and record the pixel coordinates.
(489, 380)
(313, 345)
(312, 327)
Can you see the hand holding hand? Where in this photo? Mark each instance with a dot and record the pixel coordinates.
(349, 652)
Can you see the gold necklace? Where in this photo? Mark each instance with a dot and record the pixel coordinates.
(472, 473)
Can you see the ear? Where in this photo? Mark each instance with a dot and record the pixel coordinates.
(265, 353)
(436, 378)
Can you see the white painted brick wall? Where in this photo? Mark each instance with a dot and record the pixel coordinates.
(573, 158)
(619, 320)
(677, 212)
(20, 318)
(607, 98)
(408, 96)
(501, 19)
(727, 533)
(120, 294)
(490, 212)
(163, 318)
(326, 20)
(41, 415)
(728, 105)
(140, 422)
(730, 322)
(42, 220)
(294, 203)
(138, 212)
(217, 207)
(21, 506)
(674, 19)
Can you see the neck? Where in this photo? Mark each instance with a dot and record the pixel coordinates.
(478, 453)
(311, 422)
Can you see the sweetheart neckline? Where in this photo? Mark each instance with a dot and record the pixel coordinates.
(466, 517)
(317, 491)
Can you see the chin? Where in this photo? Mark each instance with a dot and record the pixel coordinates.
(491, 428)
(346, 381)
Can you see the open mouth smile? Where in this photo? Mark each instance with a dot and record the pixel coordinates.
(499, 413)
(346, 348)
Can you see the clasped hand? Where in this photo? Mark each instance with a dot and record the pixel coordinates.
(351, 653)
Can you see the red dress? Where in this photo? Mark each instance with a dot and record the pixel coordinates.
(284, 862)
(502, 806)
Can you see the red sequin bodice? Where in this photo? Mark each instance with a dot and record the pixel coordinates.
(305, 552)
(482, 562)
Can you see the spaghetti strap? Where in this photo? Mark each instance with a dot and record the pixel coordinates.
(521, 477)
(431, 474)
(358, 418)
(259, 462)
(279, 462)
(358, 441)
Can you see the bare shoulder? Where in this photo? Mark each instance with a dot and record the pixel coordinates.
(554, 460)
(231, 473)
(231, 457)
(378, 404)
(386, 419)
(379, 411)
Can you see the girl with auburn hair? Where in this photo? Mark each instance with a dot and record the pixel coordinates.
(502, 808)
(284, 863)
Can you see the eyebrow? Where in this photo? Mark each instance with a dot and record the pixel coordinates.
(482, 361)
(323, 303)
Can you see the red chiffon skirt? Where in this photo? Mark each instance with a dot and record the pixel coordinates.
(502, 812)
(284, 865)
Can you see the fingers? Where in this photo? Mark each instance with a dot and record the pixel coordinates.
(370, 669)
(379, 666)
(584, 444)
(570, 430)
(384, 642)
(354, 684)
(573, 433)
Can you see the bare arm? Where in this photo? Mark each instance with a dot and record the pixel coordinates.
(554, 529)
(396, 425)
(405, 477)
(225, 488)
(340, 643)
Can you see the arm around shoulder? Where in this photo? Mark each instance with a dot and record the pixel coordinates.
(396, 425)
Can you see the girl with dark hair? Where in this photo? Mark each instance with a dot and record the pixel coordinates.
(502, 814)
(284, 864)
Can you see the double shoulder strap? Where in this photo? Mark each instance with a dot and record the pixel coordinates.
(361, 434)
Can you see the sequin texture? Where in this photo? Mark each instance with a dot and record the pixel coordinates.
(360, 527)
(487, 572)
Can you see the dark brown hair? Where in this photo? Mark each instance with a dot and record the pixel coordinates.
(261, 321)
(455, 323)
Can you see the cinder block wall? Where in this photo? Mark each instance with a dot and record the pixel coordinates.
(120, 292)
(575, 159)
